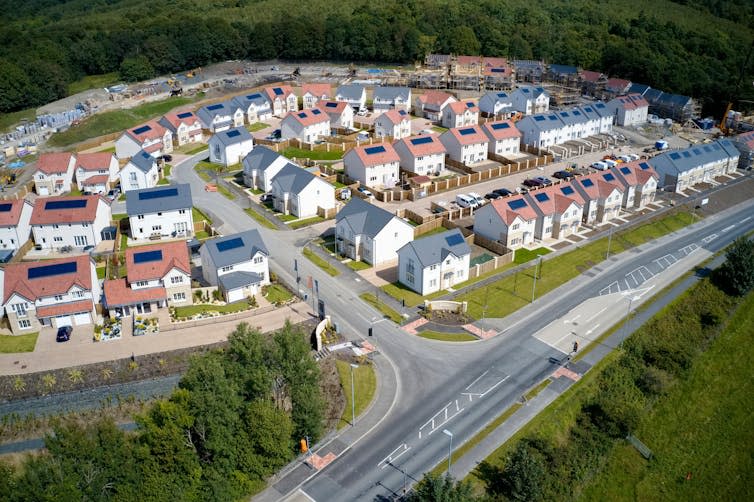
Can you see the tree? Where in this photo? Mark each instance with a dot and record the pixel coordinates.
(13, 85)
(464, 41)
(523, 474)
(736, 275)
(434, 488)
(136, 68)
(269, 439)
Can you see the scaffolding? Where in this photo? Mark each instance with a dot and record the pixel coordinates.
(562, 96)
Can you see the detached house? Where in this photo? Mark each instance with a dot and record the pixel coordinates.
(50, 293)
(282, 99)
(529, 100)
(157, 276)
(300, 193)
(260, 166)
(339, 112)
(229, 147)
(163, 211)
(373, 165)
(496, 104)
(366, 232)
(391, 98)
(255, 107)
(96, 172)
(512, 221)
(558, 216)
(422, 155)
(307, 125)
(70, 221)
(185, 127)
(54, 173)
(504, 137)
(140, 172)
(237, 264)
(460, 114)
(434, 263)
(466, 144)
(15, 223)
(602, 197)
(629, 110)
(353, 94)
(431, 104)
(393, 123)
(151, 137)
(312, 94)
(220, 117)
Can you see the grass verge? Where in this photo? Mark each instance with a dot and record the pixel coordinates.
(11, 344)
(384, 309)
(305, 222)
(364, 385)
(412, 298)
(260, 219)
(198, 215)
(536, 390)
(257, 126)
(312, 257)
(277, 294)
(447, 337)
(300, 153)
(229, 308)
(356, 265)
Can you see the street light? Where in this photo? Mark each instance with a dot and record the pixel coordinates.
(353, 397)
(537, 268)
(450, 446)
(628, 318)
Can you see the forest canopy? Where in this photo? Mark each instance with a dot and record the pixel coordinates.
(690, 47)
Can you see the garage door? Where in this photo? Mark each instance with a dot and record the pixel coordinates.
(63, 320)
(82, 318)
(44, 191)
(235, 294)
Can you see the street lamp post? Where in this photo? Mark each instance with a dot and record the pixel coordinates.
(353, 397)
(628, 318)
(536, 273)
(450, 446)
(609, 241)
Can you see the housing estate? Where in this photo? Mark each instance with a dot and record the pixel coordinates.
(467, 145)
(511, 221)
(504, 138)
(391, 98)
(229, 147)
(78, 222)
(681, 169)
(373, 165)
(422, 155)
(54, 173)
(163, 211)
(151, 137)
(629, 110)
(96, 172)
(260, 166)
(497, 104)
(255, 107)
(307, 125)
(237, 264)
(282, 99)
(339, 112)
(15, 223)
(460, 114)
(220, 117)
(393, 123)
(431, 104)
(353, 94)
(141, 171)
(300, 193)
(312, 94)
(184, 126)
(435, 262)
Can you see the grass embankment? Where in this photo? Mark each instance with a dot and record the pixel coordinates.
(383, 308)
(314, 258)
(115, 121)
(447, 337)
(10, 344)
(260, 219)
(229, 308)
(8, 120)
(305, 222)
(257, 126)
(512, 293)
(299, 153)
(92, 82)
(357, 265)
(276, 294)
(412, 298)
(364, 385)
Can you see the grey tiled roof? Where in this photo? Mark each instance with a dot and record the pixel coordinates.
(350, 91)
(259, 159)
(390, 93)
(251, 243)
(143, 161)
(291, 179)
(364, 218)
(435, 248)
(232, 136)
(159, 198)
(235, 280)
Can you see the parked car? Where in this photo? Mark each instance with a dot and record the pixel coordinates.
(562, 175)
(266, 197)
(113, 194)
(464, 200)
(366, 192)
(64, 334)
(167, 158)
(492, 196)
(537, 181)
(503, 192)
(599, 165)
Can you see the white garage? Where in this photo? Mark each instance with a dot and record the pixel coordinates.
(82, 318)
(63, 320)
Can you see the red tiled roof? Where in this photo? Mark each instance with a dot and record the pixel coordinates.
(502, 208)
(626, 103)
(436, 98)
(65, 308)
(746, 138)
(287, 91)
(498, 71)
(388, 155)
(100, 179)
(395, 116)
(338, 108)
(502, 133)
(43, 216)
(459, 107)
(155, 131)
(174, 255)
(468, 139)
(117, 294)
(600, 188)
(11, 217)
(307, 118)
(153, 148)
(434, 146)
(54, 163)
(17, 278)
(94, 161)
(562, 203)
(590, 76)
(173, 119)
(617, 84)
(643, 175)
(638, 100)
(485, 61)
(317, 90)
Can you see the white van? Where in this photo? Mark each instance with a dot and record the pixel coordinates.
(625, 158)
(464, 200)
(610, 162)
(599, 165)
(478, 198)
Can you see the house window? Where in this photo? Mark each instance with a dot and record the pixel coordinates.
(432, 283)
(227, 269)
(181, 211)
(56, 226)
(156, 227)
(57, 239)
(141, 284)
(515, 226)
(20, 309)
(177, 279)
(433, 267)
(447, 262)
(58, 298)
(410, 278)
(24, 323)
(410, 267)
(159, 214)
(179, 297)
(132, 177)
(140, 217)
(78, 294)
(258, 259)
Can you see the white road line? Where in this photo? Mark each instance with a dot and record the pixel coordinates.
(746, 219)
(589, 332)
(475, 381)
(709, 238)
(390, 458)
(302, 492)
(727, 229)
(570, 321)
(595, 315)
(491, 388)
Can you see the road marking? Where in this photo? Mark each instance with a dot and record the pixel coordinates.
(392, 456)
(589, 332)
(609, 289)
(709, 238)
(687, 250)
(570, 321)
(595, 315)
(727, 229)
(478, 378)
(746, 219)
(446, 418)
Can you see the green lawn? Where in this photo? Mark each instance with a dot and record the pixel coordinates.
(123, 241)
(511, 293)
(703, 426)
(201, 235)
(357, 265)
(286, 217)
(191, 148)
(166, 170)
(537, 389)
(75, 192)
(384, 309)
(364, 385)
(412, 298)
(101, 272)
(447, 337)
(527, 255)
(8, 120)
(92, 82)
(225, 192)
(275, 293)
(260, 219)
(115, 121)
(257, 126)
(163, 181)
(198, 215)
(300, 153)
(314, 258)
(439, 129)
(437, 230)
(305, 222)
(230, 308)
(10, 344)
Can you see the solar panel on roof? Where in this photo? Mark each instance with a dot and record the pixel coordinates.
(502, 95)
(716, 147)
(539, 118)
(256, 95)
(52, 270)
(563, 114)
(469, 104)
(541, 197)
(374, 149)
(707, 149)
(675, 156)
(500, 125)
(184, 115)
(567, 190)
(525, 90)
(148, 256)
(686, 154)
(553, 117)
(577, 113)
(4, 208)
(316, 112)
(330, 104)
(467, 131)
(278, 91)
(625, 170)
(65, 204)
(421, 140)
(301, 115)
(599, 106)
(158, 194)
(215, 107)
(608, 177)
(402, 112)
(454, 239)
(517, 204)
(142, 129)
(587, 183)
(588, 109)
(234, 133)
(697, 151)
(644, 166)
(497, 70)
(233, 243)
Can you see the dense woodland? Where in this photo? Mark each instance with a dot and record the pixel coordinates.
(692, 47)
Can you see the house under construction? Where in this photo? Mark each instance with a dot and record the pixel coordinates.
(471, 73)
